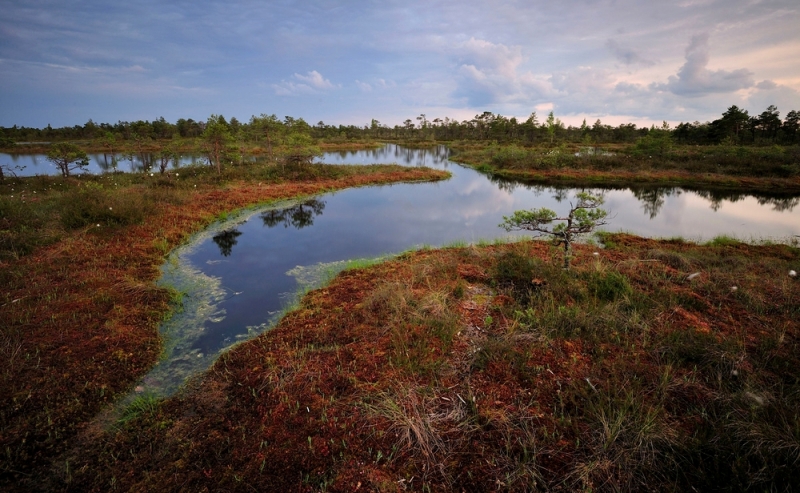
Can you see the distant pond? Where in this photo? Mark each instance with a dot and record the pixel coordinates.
(240, 274)
(37, 164)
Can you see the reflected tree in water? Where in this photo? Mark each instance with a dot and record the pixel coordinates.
(108, 163)
(225, 240)
(299, 216)
(504, 184)
(780, 204)
(717, 197)
(561, 194)
(653, 199)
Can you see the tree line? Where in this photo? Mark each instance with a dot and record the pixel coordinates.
(735, 126)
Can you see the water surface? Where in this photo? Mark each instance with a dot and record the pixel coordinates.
(37, 164)
(240, 274)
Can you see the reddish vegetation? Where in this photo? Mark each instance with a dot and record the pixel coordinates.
(428, 372)
(81, 323)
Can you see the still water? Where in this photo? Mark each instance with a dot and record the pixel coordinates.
(37, 164)
(239, 275)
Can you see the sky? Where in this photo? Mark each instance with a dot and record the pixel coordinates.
(346, 62)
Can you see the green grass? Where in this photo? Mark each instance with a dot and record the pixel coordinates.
(143, 406)
(723, 240)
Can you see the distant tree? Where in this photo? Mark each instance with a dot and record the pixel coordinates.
(731, 125)
(530, 125)
(167, 153)
(6, 142)
(300, 150)
(217, 137)
(584, 127)
(89, 129)
(270, 126)
(658, 142)
(791, 125)
(583, 218)
(109, 142)
(769, 122)
(67, 157)
(551, 125)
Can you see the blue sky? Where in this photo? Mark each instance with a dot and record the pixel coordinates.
(345, 62)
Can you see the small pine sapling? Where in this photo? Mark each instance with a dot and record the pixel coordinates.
(583, 217)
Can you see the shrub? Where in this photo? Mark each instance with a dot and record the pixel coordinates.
(20, 228)
(609, 286)
(91, 204)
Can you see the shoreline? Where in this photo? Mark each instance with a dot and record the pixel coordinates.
(454, 357)
(82, 314)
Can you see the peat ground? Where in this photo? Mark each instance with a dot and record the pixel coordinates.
(79, 308)
(650, 366)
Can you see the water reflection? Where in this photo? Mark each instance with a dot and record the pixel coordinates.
(779, 202)
(427, 156)
(786, 204)
(225, 240)
(108, 163)
(298, 216)
(37, 164)
(653, 199)
(251, 287)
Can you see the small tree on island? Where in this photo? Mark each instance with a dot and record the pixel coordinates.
(300, 150)
(67, 157)
(583, 218)
(218, 138)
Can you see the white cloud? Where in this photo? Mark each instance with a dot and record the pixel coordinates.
(489, 73)
(312, 82)
(767, 93)
(363, 86)
(695, 79)
(315, 80)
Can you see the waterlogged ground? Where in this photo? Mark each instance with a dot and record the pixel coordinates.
(240, 274)
(193, 339)
(80, 313)
(652, 366)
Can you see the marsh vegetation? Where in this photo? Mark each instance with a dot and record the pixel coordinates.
(651, 365)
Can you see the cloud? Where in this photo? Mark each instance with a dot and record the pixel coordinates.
(770, 93)
(695, 79)
(363, 86)
(315, 80)
(766, 85)
(311, 83)
(628, 56)
(489, 73)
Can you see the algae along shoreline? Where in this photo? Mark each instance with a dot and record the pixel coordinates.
(654, 365)
(80, 308)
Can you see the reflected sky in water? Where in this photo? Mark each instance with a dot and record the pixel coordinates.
(250, 259)
(373, 221)
(37, 164)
